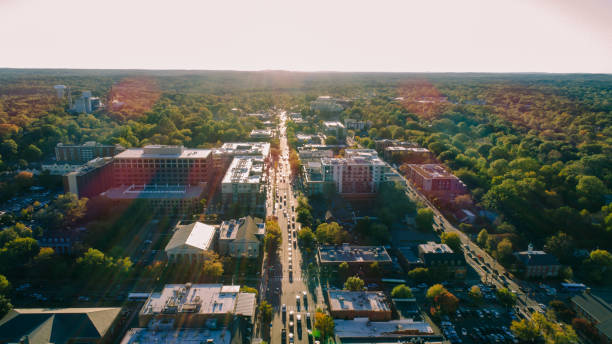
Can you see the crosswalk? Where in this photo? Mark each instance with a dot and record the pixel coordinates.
(278, 278)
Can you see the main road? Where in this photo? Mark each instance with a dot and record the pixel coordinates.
(286, 286)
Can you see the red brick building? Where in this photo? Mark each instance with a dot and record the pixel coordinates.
(435, 181)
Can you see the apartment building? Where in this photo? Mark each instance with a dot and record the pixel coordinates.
(435, 181)
(85, 152)
(334, 128)
(243, 186)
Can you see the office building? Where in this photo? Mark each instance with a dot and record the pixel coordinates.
(80, 154)
(353, 255)
(243, 188)
(334, 128)
(91, 179)
(161, 165)
(193, 305)
(344, 304)
(190, 242)
(435, 181)
(241, 238)
(167, 199)
(436, 255)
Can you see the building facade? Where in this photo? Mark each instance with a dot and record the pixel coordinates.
(243, 186)
(538, 264)
(435, 181)
(85, 152)
(241, 238)
(344, 304)
(91, 179)
(159, 164)
(190, 242)
(436, 255)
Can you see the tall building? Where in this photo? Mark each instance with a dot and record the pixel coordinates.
(60, 89)
(91, 179)
(243, 186)
(161, 165)
(85, 152)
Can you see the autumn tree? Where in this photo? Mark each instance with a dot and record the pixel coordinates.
(401, 291)
(354, 283)
(452, 240)
(325, 324)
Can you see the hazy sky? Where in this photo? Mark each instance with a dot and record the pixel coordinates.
(309, 35)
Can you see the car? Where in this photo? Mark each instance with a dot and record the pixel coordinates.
(291, 326)
(308, 320)
(294, 244)
(297, 299)
(284, 335)
(290, 337)
(304, 294)
(284, 308)
(299, 319)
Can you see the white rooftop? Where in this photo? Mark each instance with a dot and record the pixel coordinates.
(243, 171)
(198, 298)
(362, 327)
(176, 336)
(358, 300)
(163, 152)
(197, 235)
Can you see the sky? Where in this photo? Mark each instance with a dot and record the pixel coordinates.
(559, 36)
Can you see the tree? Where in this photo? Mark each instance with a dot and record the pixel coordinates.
(18, 252)
(354, 283)
(306, 237)
(401, 291)
(5, 285)
(374, 270)
(5, 306)
(325, 324)
(331, 233)
(343, 269)
(446, 302)
(505, 297)
(452, 240)
(591, 191)
(212, 266)
(424, 219)
(561, 310)
(273, 237)
(65, 210)
(504, 250)
(598, 265)
(435, 290)
(304, 217)
(483, 236)
(526, 331)
(419, 275)
(561, 245)
(247, 289)
(475, 294)
(32, 153)
(586, 328)
(265, 311)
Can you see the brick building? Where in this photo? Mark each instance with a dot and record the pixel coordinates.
(435, 181)
(344, 304)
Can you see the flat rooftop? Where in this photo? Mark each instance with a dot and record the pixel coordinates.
(363, 328)
(354, 161)
(197, 298)
(432, 247)
(243, 171)
(374, 301)
(353, 254)
(333, 124)
(163, 152)
(245, 148)
(154, 191)
(407, 149)
(430, 171)
(176, 336)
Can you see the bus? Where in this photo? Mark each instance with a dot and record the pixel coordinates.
(393, 281)
(573, 287)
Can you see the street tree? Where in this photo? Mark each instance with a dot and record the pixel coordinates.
(401, 291)
(354, 283)
(325, 324)
(424, 219)
(452, 240)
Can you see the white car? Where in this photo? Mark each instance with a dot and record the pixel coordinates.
(290, 315)
(299, 319)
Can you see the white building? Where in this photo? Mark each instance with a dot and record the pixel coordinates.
(189, 242)
(243, 185)
(261, 134)
(334, 128)
(326, 104)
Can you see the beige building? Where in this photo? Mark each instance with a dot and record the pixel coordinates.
(242, 237)
(189, 243)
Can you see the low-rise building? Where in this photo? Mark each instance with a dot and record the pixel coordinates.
(314, 154)
(189, 243)
(357, 125)
(334, 128)
(381, 144)
(62, 242)
(597, 311)
(435, 181)
(242, 237)
(91, 179)
(174, 199)
(344, 304)
(412, 155)
(538, 264)
(362, 330)
(243, 186)
(261, 134)
(192, 305)
(80, 154)
(60, 325)
(353, 255)
(436, 255)
(223, 156)
(303, 139)
(326, 104)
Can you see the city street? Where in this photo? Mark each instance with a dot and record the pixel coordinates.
(285, 281)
